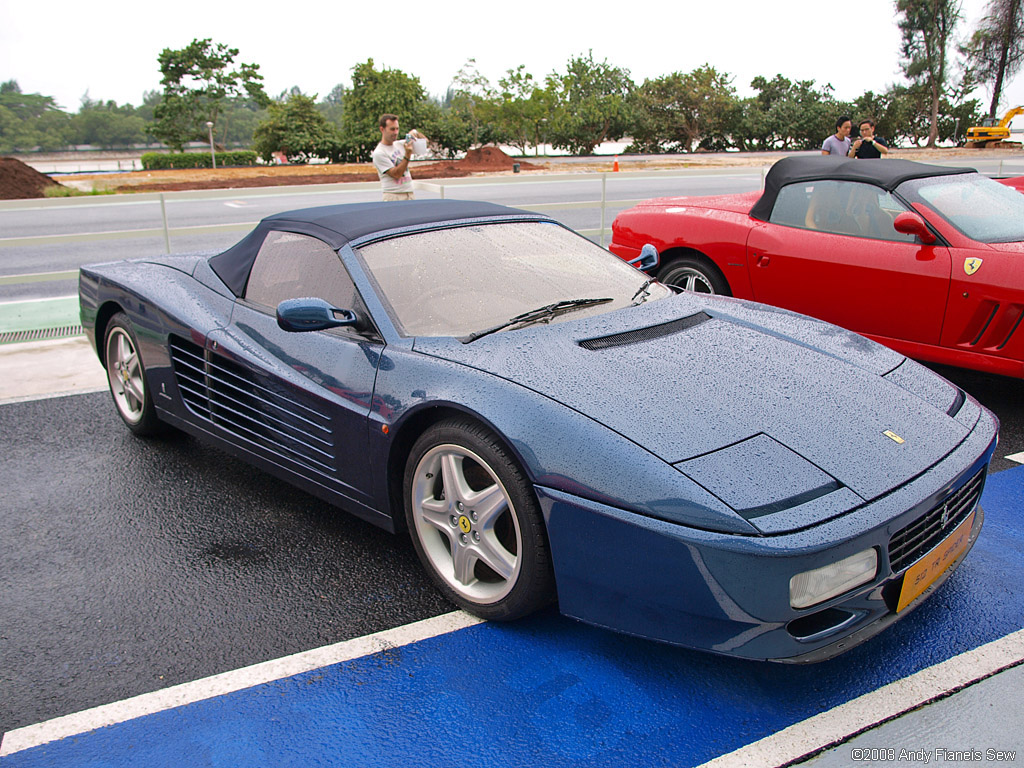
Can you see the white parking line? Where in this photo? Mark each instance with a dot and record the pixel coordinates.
(229, 682)
(887, 703)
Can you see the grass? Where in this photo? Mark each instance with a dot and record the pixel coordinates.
(61, 191)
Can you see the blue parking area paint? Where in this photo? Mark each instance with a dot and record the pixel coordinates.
(549, 691)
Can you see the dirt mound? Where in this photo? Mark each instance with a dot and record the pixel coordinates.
(19, 181)
(482, 159)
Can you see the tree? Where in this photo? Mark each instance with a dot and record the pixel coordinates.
(296, 128)
(523, 109)
(474, 99)
(927, 27)
(590, 104)
(332, 106)
(30, 120)
(238, 121)
(107, 124)
(786, 115)
(150, 99)
(198, 80)
(995, 51)
(679, 111)
(376, 92)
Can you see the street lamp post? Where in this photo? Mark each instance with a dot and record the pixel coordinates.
(213, 156)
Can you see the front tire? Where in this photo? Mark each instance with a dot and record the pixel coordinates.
(693, 274)
(475, 522)
(127, 377)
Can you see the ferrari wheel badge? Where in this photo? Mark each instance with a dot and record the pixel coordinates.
(972, 265)
(464, 524)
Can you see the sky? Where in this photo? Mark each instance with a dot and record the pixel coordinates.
(109, 48)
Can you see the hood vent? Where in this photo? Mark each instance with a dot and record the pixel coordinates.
(645, 334)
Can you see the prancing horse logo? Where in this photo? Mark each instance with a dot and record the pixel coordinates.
(972, 265)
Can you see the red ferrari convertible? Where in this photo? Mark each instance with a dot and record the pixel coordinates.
(926, 259)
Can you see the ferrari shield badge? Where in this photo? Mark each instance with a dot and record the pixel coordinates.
(894, 437)
(972, 265)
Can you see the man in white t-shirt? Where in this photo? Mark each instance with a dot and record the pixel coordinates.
(391, 159)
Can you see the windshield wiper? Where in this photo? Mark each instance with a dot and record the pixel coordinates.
(536, 315)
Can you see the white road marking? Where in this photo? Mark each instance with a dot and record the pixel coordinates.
(1018, 457)
(831, 728)
(229, 682)
(20, 302)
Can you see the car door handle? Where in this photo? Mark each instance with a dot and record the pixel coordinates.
(763, 260)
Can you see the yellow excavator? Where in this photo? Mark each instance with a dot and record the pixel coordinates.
(993, 132)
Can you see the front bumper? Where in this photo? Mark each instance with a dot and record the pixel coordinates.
(729, 594)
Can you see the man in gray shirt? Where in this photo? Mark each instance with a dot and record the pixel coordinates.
(839, 142)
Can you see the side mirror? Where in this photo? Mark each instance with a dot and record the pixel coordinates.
(911, 224)
(647, 260)
(298, 315)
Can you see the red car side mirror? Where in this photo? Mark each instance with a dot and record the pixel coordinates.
(911, 224)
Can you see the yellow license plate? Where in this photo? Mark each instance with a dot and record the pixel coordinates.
(925, 571)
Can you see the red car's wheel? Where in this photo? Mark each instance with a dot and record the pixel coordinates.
(693, 274)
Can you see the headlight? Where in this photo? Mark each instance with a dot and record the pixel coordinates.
(812, 587)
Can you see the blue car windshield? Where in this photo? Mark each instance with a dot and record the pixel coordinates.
(461, 280)
(982, 209)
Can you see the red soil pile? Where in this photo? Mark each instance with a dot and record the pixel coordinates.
(491, 159)
(478, 160)
(19, 181)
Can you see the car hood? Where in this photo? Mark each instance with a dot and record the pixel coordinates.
(689, 376)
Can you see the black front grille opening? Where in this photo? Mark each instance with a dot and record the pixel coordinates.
(645, 334)
(914, 541)
(819, 623)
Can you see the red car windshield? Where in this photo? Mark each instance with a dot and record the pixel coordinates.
(980, 208)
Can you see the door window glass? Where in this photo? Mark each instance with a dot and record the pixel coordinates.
(292, 266)
(841, 208)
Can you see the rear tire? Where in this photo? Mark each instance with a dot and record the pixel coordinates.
(127, 377)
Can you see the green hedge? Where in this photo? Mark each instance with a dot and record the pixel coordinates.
(158, 161)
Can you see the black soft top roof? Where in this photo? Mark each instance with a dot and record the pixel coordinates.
(340, 224)
(882, 172)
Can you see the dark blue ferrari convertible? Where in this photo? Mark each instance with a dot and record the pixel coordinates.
(548, 423)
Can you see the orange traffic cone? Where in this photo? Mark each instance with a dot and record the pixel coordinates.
(615, 165)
